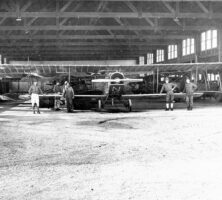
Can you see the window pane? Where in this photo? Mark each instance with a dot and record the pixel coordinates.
(203, 45)
(208, 35)
(214, 33)
(184, 43)
(176, 53)
(184, 52)
(188, 42)
(208, 44)
(214, 43)
(188, 50)
(203, 36)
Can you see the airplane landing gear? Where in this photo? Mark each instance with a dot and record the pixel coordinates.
(99, 104)
(129, 106)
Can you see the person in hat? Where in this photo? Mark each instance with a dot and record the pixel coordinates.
(58, 91)
(189, 89)
(69, 96)
(168, 88)
(34, 91)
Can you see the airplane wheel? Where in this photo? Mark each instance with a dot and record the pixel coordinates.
(130, 105)
(112, 102)
(99, 105)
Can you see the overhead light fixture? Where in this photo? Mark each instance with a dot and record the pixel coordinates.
(18, 19)
(176, 19)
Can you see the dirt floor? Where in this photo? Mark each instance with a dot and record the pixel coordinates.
(149, 154)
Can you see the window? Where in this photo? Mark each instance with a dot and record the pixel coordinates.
(172, 51)
(150, 58)
(208, 40)
(141, 60)
(159, 55)
(188, 46)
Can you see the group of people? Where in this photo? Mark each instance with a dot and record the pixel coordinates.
(66, 91)
(169, 88)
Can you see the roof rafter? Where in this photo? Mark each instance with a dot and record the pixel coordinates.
(101, 27)
(203, 7)
(175, 12)
(98, 37)
(111, 15)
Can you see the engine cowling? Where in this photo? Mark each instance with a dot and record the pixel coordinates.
(117, 75)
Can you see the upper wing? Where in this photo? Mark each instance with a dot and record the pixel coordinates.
(5, 98)
(78, 95)
(177, 95)
(211, 92)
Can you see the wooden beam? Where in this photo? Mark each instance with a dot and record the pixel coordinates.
(150, 22)
(84, 48)
(97, 37)
(101, 27)
(202, 6)
(5, 6)
(26, 6)
(103, 43)
(2, 20)
(181, 15)
(31, 22)
(66, 19)
(68, 4)
(134, 9)
(100, 8)
(152, 0)
(173, 11)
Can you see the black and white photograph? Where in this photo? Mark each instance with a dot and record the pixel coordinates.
(110, 100)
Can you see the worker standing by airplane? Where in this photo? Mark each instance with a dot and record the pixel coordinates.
(168, 88)
(34, 91)
(69, 96)
(189, 89)
(57, 90)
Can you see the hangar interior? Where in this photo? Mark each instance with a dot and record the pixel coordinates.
(118, 142)
(54, 36)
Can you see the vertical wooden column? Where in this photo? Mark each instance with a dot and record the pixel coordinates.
(219, 44)
(196, 75)
(166, 54)
(157, 79)
(145, 59)
(197, 43)
(179, 51)
(69, 75)
(154, 56)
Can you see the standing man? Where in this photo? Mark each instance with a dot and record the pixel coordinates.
(69, 96)
(57, 90)
(34, 91)
(168, 88)
(189, 89)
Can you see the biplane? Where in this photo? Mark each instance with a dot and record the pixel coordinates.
(116, 78)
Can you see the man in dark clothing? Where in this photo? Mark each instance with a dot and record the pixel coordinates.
(34, 91)
(189, 89)
(168, 88)
(58, 90)
(69, 96)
